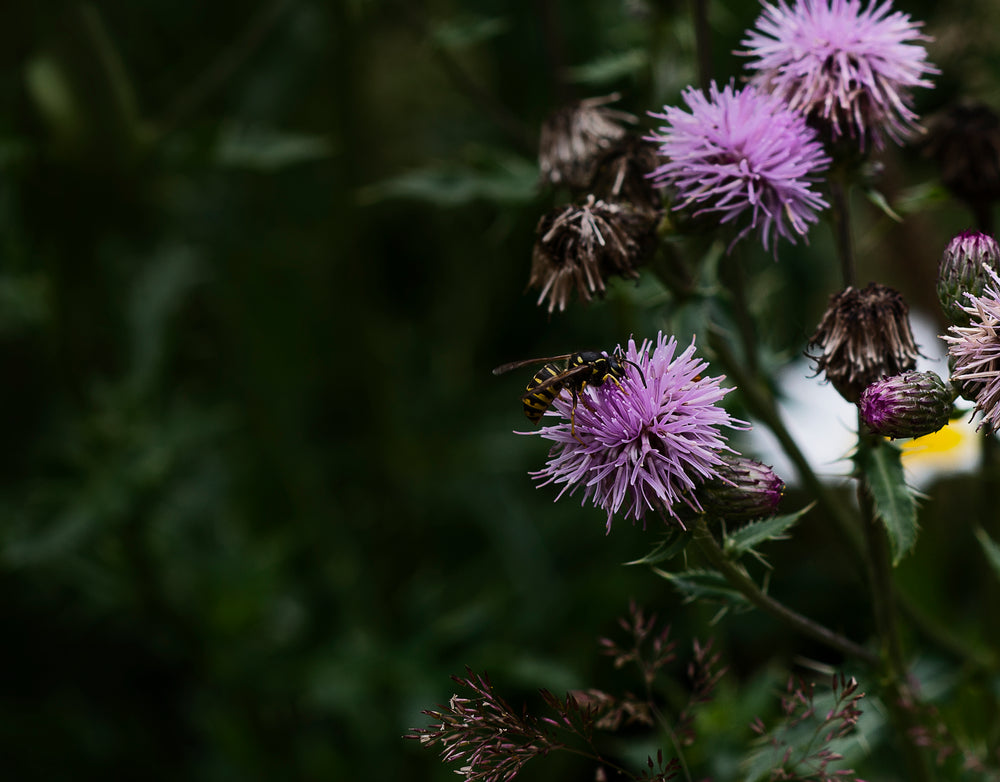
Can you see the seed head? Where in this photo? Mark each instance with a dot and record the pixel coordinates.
(579, 246)
(910, 404)
(965, 143)
(574, 139)
(863, 336)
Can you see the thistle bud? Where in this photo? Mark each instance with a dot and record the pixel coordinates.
(575, 138)
(863, 336)
(962, 271)
(744, 490)
(911, 404)
(579, 246)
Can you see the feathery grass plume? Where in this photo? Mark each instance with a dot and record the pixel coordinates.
(864, 335)
(744, 157)
(850, 70)
(645, 445)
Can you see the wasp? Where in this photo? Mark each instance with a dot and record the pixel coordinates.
(582, 369)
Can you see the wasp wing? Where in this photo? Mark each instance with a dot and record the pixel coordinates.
(562, 377)
(504, 368)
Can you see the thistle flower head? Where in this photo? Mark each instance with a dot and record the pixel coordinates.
(743, 156)
(974, 351)
(849, 69)
(911, 404)
(641, 446)
(963, 270)
(864, 335)
(575, 137)
(579, 246)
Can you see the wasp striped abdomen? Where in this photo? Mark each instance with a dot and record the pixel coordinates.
(537, 402)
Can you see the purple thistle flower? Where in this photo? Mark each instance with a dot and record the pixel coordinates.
(738, 152)
(975, 350)
(850, 70)
(642, 446)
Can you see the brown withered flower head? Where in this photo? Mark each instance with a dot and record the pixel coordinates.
(579, 246)
(622, 173)
(575, 137)
(965, 142)
(864, 336)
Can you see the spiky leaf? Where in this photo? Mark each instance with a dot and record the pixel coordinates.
(991, 549)
(672, 544)
(751, 535)
(704, 585)
(894, 501)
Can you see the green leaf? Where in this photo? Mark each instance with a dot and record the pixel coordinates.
(750, 536)
(610, 68)
(880, 202)
(894, 502)
(672, 544)
(501, 178)
(703, 585)
(266, 149)
(456, 34)
(990, 548)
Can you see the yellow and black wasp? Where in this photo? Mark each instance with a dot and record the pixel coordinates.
(582, 369)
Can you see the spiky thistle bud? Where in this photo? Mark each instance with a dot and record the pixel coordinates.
(910, 404)
(580, 245)
(575, 137)
(745, 489)
(963, 270)
(863, 336)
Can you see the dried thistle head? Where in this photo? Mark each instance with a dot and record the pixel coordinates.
(622, 173)
(579, 246)
(864, 335)
(965, 143)
(575, 137)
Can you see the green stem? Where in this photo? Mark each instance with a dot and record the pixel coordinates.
(899, 697)
(739, 579)
(841, 222)
(703, 43)
(760, 402)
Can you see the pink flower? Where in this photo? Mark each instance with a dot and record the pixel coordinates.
(642, 447)
(739, 154)
(849, 70)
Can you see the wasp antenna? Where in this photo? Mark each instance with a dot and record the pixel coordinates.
(637, 369)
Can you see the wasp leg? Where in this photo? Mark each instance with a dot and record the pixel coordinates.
(620, 386)
(572, 415)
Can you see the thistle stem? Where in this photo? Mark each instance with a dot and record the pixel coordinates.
(840, 219)
(899, 697)
(703, 43)
(760, 402)
(740, 580)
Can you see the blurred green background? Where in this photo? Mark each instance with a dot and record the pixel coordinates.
(260, 495)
